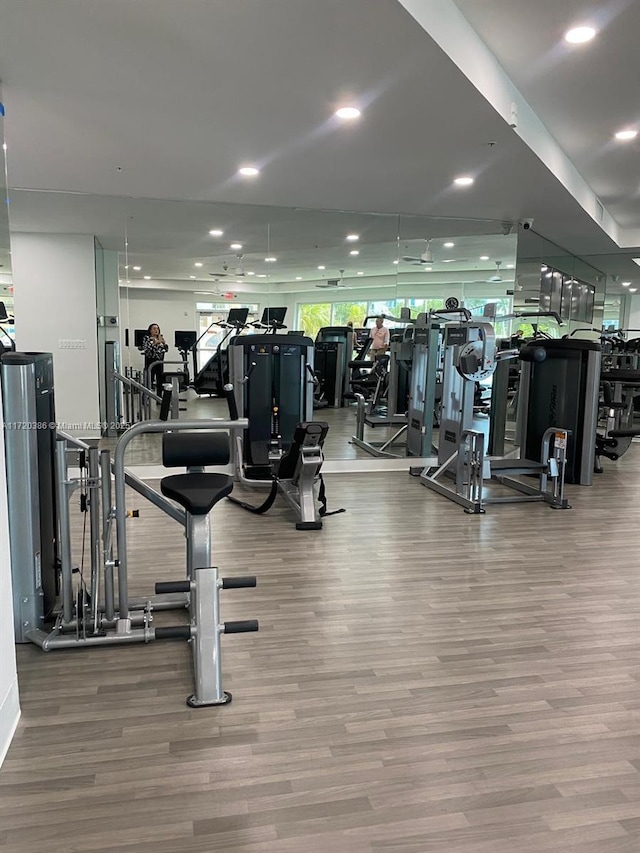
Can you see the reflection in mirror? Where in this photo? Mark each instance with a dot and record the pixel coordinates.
(186, 265)
(7, 326)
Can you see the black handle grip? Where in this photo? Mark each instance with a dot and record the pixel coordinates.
(231, 402)
(242, 627)
(173, 632)
(172, 586)
(252, 367)
(239, 583)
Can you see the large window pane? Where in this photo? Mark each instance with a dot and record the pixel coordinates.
(312, 317)
(391, 308)
(344, 312)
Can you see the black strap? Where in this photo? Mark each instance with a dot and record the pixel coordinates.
(258, 510)
(322, 498)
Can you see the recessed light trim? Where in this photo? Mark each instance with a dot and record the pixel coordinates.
(632, 289)
(298, 278)
(198, 264)
(235, 246)
(626, 284)
(360, 272)
(146, 277)
(449, 245)
(261, 275)
(348, 113)
(216, 232)
(270, 260)
(484, 257)
(137, 269)
(354, 252)
(249, 171)
(322, 267)
(396, 261)
(464, 181)
(626, 135)
(579, 35)
(352, 237)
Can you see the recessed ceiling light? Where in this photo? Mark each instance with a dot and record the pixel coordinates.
(248, 171)
(251, 273)
(463, 181)
(261, 275)
(147, 277)
(579, 35)
(354, 252)
(271, 260)
(510, 266)
(192, 277)
(625, 135)
(348, 112)
(449, 245)
(632, 289)
(484, 257)
(626, 283)
(137, 269)
(353, 237)
(216, 232)
(298, 278)
(395, 262)
(198, 264)
(359, 272)
(126, 266)
(203, 292)
(321, 267)
(448, 260)
(235, 246)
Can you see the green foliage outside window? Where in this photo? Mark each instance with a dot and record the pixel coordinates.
(313, 316)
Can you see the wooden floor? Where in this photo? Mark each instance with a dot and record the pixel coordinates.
(423, 680)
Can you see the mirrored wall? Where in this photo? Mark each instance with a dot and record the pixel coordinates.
(184, 265)
(7, 328)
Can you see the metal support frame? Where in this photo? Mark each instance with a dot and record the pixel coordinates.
(376, 448)
(299, 491)
(124, 624)
(470, 467)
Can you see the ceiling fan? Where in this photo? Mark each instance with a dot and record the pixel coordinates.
(333, 282)
(232, 271)
(425, 258)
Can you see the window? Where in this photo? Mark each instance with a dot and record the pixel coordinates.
(343, 312)
(312, 317)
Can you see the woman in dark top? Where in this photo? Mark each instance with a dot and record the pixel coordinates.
(153, 349)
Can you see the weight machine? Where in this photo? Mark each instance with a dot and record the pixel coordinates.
(48, 610)
(272, 383)
(470, 355)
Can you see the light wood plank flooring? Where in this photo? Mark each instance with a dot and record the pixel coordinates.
(423, 680)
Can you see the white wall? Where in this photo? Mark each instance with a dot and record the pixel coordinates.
(55, 299)
(633, 321)
(9, 706)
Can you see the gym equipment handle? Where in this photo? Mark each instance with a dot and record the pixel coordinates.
(172, 586)
(231, 402)
(239, 583)
(173, 632)
(241, 627)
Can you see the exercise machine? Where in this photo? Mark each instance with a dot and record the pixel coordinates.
(56, 606)
(272, 382)
(214, 375)
(334, 347)
(470, 355)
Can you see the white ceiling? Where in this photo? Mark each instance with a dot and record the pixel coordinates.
(164, 99)
(583, 94)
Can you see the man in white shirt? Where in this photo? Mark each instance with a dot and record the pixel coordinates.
(380, 338)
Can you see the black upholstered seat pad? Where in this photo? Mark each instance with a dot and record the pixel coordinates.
(197, 493)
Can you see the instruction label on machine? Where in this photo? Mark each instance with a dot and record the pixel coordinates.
(560, 441)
